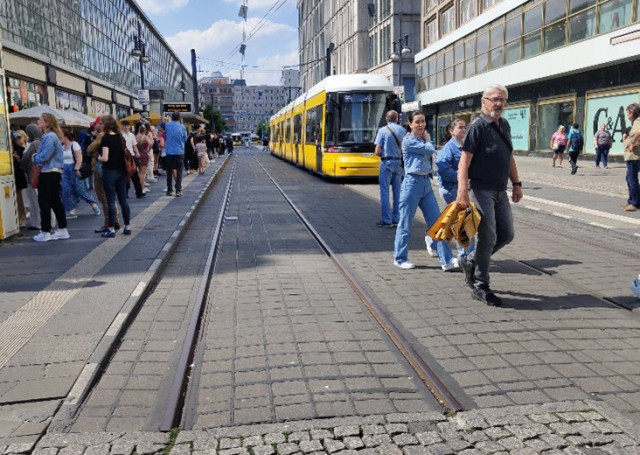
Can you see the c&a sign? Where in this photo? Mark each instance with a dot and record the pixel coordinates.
(609, 110)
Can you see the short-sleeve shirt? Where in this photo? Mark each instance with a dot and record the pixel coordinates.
(116, 152)
(131, 140)
(385, 139)
(490, 166)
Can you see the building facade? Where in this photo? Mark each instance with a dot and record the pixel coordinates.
(78, 55)
(563, 61)
(290, 80)
(254, 104)
(358, 36)
(217, 90)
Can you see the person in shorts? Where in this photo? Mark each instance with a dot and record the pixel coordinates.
(558, 145)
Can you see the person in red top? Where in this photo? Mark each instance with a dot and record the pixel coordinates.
(558, 144)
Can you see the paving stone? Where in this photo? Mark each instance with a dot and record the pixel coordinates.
(43, 451)
(353, 442)
(415, 450)
(476, 436)
(440, 449)
(321, 434)
(395, 428)
(75, 449)
(429, 437)
(544, 418)
(332, 446)
(181, 449)
(122, 448)
(310, 446)
(489, 447)
(147, 448)
(373, 429)
(234, 451)
(21, 447)
(274, 438)
(351, 430)
(229, 443)
(287, 448)
(511, 443)
(457, 445)
(404, 439)
(389, 449)
(374, 440)
(299, 436)
(263, 450)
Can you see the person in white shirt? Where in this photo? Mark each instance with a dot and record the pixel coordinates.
(132, 146)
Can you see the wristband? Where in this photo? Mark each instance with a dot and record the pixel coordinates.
(517, 184)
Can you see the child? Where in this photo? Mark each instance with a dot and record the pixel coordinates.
(201, 150)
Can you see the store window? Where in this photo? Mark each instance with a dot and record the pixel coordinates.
(469, 53)
(122, 111)
(552, 114)
(458, 57)
(447, 21)
(67, 100)
(99, 108)
(23, 94)
(582, 25)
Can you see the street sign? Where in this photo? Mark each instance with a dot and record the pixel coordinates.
(143, 97)
(177, 107)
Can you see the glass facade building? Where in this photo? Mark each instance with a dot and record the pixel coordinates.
(563, 61)
(94, 38)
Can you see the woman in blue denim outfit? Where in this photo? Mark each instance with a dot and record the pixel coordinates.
(447, 162)
(416, 192)
(73, 188)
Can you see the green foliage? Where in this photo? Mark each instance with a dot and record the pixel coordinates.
(217, 123)
(262, 127)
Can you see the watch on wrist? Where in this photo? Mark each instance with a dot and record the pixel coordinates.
(517, 184)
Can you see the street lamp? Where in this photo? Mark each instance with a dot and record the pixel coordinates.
(401, 45)
(139, 51)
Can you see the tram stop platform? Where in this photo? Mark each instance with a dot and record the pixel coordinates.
(63, 305)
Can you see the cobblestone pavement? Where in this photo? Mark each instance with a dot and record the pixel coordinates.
(567, 428)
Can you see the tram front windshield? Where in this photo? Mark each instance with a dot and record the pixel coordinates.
(359, 117)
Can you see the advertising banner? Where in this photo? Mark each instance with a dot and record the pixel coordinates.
(519, 119)
(609, 110)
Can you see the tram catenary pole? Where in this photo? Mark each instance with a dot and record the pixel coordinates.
(139, 51)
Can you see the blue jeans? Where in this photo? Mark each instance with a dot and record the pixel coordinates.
(602, 153)
(448, 197)
(115, 185)
(390, 175)
(417, 192)
(495, 230)
(633, 167)
(74, 189)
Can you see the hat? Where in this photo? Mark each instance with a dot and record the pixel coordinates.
(97, 120)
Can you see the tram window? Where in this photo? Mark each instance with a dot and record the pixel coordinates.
(313, 131)
(297, 129)
(359, 116)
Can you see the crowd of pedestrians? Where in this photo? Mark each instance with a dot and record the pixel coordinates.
(56, 169)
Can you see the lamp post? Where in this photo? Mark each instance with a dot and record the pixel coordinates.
(401, 50)
(139, 51)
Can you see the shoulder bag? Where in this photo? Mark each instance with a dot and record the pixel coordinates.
(36, 172)
(129, 163)
(398, 144)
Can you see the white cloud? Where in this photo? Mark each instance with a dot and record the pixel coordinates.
(165, 6)
(270, 48)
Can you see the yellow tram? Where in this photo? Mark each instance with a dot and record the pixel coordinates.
(330, 129)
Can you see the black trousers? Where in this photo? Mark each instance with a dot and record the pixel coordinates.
(174, 162)
(50, 198)
(135, 179)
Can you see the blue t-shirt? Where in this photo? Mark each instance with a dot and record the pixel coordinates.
(447, 161)
(175, 136)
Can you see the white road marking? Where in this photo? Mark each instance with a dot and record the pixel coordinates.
(600, 225)
(116, 324)
(576, 208)
(562, 215)
(81, 384)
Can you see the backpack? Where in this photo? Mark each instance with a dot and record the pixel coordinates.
(577, 141)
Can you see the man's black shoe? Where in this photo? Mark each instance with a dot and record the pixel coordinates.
(141, 195)
(178, 193)
(487, 296)
(169, 193)
(383, 224)
(469, 268)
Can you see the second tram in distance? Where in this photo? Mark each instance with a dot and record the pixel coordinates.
(330, 129)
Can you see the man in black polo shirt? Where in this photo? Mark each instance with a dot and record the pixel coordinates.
(486, 164)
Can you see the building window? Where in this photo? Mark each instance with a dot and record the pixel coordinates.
(431, 32)
(488, 3)
(385, 8)
(385, 43)
(467, 10)
(496, 43)
(470, 56)
(614, 14)
(430, 4)
(447, 21)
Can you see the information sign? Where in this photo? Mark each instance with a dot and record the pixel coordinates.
(143, 97)
(177, 107)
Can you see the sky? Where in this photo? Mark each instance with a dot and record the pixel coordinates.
(214, 29)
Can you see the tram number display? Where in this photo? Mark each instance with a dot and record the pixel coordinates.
(177, 107)
(358, 98)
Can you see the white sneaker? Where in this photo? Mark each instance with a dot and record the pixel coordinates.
(42, 237)
(152, 180)
(146, 190)
(430, 251)
(60, 234)
(452, 265)
(406, 265)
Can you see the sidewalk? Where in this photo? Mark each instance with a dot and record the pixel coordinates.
(64, 302)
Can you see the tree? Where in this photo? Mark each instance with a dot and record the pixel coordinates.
(262, 128)
(217, 123)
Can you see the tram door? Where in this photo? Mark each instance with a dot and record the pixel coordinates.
(297, 137)
(8, 205)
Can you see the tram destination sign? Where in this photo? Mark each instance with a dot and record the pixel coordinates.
(177, 107)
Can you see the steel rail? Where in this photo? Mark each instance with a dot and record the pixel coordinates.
(175, 403)
(429, 378)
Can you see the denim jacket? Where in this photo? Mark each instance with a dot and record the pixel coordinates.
(49, 144)
(447, 162)
(416, 153)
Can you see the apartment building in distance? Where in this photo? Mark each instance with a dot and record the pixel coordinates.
(563, 61)
(217, 90)
(359, 36)
(254, 104)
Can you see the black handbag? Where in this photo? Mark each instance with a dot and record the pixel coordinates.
(85, 170)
